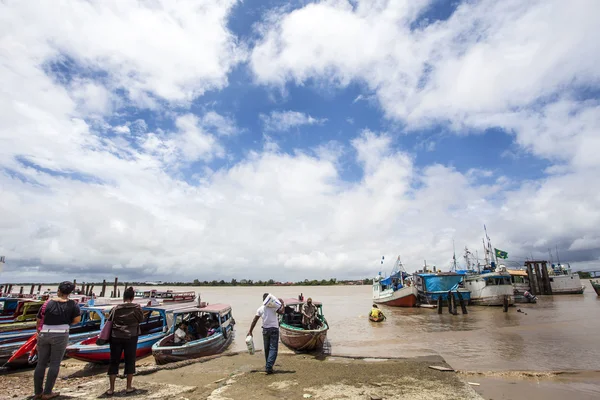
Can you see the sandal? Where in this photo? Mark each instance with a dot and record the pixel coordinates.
(50, 396)
(129, 391)
(108, 393)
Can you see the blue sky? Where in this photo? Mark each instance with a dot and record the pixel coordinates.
(224, 139)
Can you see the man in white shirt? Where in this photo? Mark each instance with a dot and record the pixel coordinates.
(270, 328)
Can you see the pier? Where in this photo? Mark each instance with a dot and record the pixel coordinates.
(537, 272)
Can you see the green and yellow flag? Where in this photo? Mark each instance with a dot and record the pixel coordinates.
(501, 254)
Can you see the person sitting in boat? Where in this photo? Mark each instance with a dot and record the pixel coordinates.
(309, 313)
(376, 313)
(180, 334)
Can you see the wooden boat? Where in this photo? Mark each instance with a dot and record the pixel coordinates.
(92, 320)
(596, 286)
(396, 290)
(521, 285)
(292, 333)
(433, 286)
(563, 280)
(152, 330)
(167, 296)
(217, 340)
(373, 319)
(490, 288)
(18, 309)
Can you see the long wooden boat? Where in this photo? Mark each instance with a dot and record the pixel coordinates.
(18, 309)
(217, 340)
(167, 296)
(92, 320)
(434, 286)
(292, 333)
(596, 286)
(153, 329)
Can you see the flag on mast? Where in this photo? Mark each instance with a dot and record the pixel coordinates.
(501, 254)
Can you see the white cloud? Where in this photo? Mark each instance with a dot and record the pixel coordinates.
(511, 64)
(281, 121)
(122, 129)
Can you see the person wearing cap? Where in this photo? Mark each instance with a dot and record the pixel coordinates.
(309, 312)
(53, 322)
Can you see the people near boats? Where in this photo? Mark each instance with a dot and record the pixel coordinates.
(301, 297)
(180, 336)
(270, 330)
(376, 313)
(126, 318)
(53, 321)
(309, 313)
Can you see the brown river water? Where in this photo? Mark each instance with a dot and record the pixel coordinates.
(559, 333)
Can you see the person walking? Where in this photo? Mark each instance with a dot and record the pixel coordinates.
(270, 330)
(126, 318)
(53, 322)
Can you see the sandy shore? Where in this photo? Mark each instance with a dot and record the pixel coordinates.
(242, 376)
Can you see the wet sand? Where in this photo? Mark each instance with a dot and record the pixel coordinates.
(242, 376)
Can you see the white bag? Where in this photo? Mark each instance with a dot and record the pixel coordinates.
(250, 344)
(272, 302)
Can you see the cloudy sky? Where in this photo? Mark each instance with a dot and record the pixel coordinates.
(214, 139)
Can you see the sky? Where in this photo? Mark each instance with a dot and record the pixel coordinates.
(218, 139)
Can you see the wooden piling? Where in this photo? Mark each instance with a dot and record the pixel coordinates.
(439, 305)
(461, 301)
(450, 301)
(546, 278)
(39, 288)
(103, 291)
(115, 287)
(21, 290)
(91, 290)
(32, 289)
(1, 287)
(505, 303)
(9, 290)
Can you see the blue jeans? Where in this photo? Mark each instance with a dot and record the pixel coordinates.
(271, 343)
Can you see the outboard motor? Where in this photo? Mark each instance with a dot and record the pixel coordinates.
(530, 298)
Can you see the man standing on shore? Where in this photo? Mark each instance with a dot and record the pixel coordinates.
(270, 329)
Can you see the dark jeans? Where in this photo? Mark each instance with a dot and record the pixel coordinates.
(271, 343)
(51, 350)
(119, 346)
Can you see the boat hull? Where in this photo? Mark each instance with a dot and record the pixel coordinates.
(404, 297)
(88, 351)
(494, 300)
(209, 346)
(303, 339)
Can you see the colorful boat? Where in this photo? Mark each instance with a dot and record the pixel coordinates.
(396, 290)
(92, 320)
(433, 286)
(153, 329)
(293, 334)
(217, 340)
(14, 309)
(378, 319)
(596, 286)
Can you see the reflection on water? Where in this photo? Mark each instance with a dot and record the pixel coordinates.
(558, 333)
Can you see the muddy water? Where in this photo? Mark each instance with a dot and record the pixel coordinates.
(558, 333)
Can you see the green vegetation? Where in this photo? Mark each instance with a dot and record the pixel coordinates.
(584, 275)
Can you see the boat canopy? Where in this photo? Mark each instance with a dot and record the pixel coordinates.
(441, 283)
(220, 309)
(517, 272)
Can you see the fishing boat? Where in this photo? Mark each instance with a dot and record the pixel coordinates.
(596, 286)
(490, 288)
(563, 280)
(152, 330)
(396, 290)
(432, 286)
(217, 340)
(521, 286)
(92, 320)
(293, 334)
(378, 319)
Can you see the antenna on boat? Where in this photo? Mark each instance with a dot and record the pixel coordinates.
(557, 259)
(454, 254)
(550, 252)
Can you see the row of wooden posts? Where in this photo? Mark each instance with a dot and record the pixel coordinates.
(86, 289)
(452, 308)
(539, 280)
